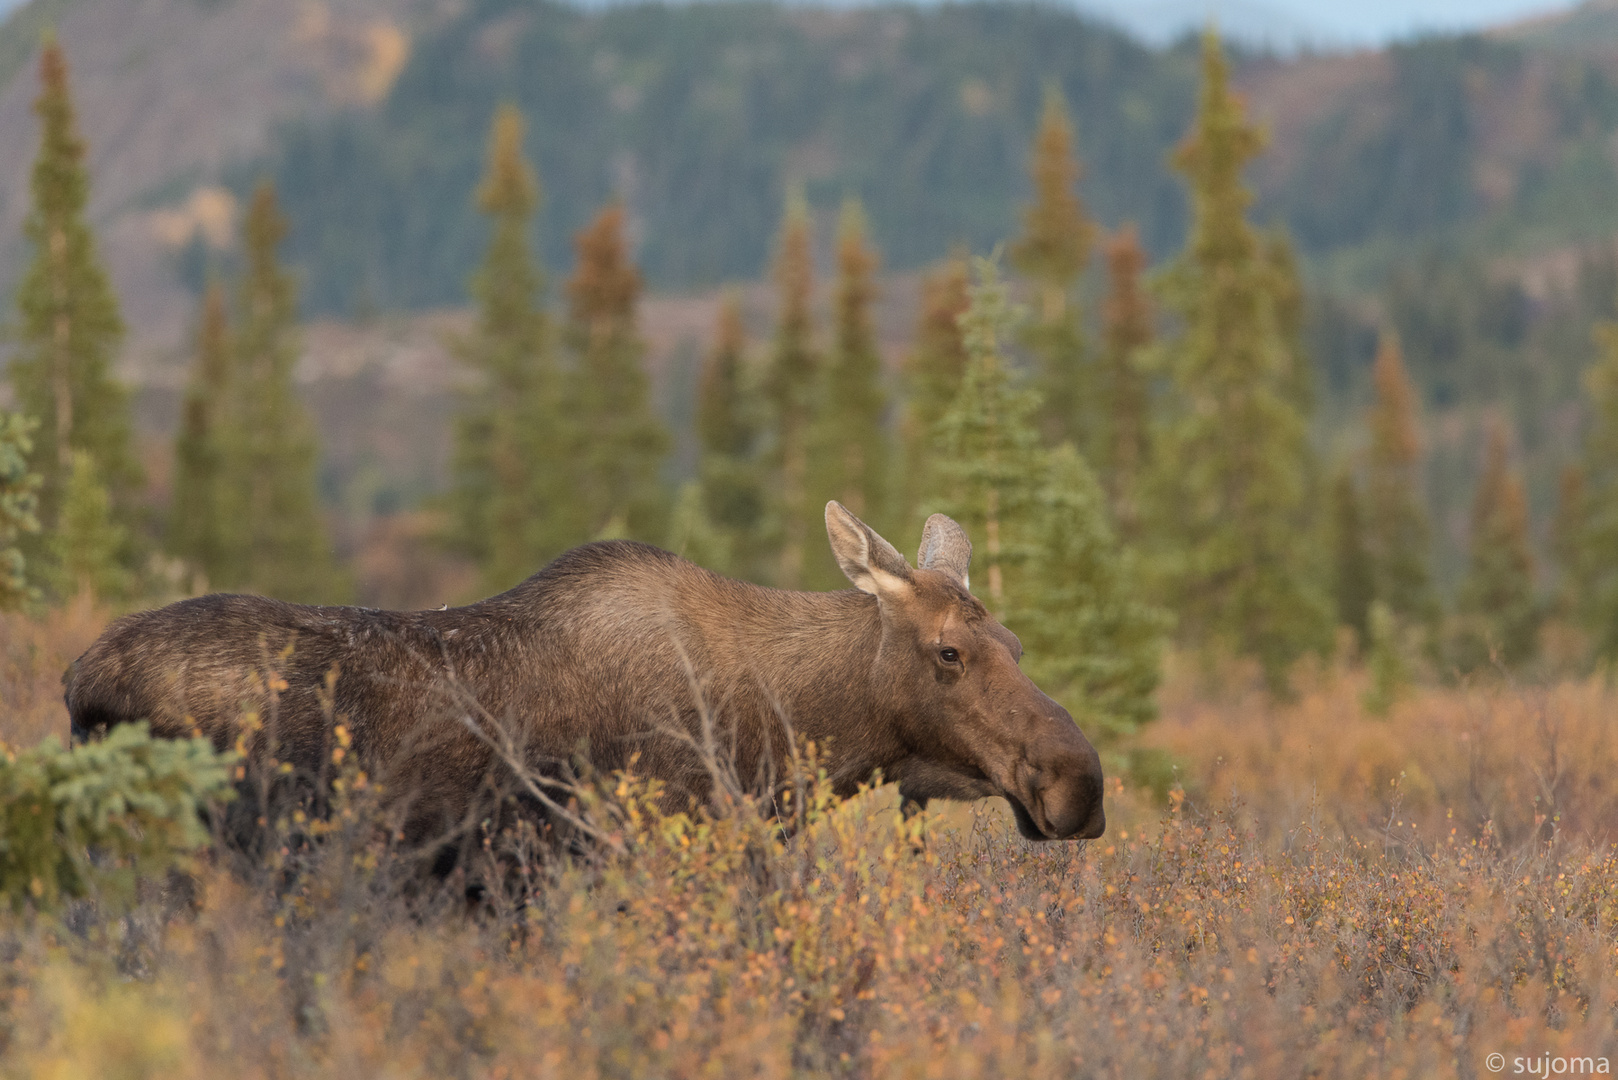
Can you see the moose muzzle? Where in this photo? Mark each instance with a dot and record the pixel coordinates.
(1058, 785)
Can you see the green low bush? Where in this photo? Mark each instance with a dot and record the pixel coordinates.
(132, 800)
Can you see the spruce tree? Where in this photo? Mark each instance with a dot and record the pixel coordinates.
(86, 542)
(693, 534)
(933, 372)
(1053, 252)
(728, 434)
(1396, 526)
(851, 457)
(1123, 393)
(1233, 472)
(1587, 557)
(68, 328)
(507, 501)
(1088, 637)
(1054, 569)
(1569, 530)
(19, 497)
(789, 390)
(990, 461)
(1353, 578)
(201, 521)
(283, 547)
(620, 444)
(1286, 292)
(1498, 612)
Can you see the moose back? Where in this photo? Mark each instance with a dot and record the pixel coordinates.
(618, 649)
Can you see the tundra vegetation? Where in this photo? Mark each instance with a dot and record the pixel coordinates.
(1323, 892)
(1363, 837)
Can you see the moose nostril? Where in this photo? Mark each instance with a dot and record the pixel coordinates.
(1074, 807)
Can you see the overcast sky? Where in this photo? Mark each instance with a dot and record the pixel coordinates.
(1290, 22)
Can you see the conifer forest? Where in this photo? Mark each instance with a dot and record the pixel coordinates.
(1287, 448)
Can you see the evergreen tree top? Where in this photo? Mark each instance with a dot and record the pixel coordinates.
(1127, 312)
(605, 284)
(730, 332)
(511, 323)
(935, 365)
(1497, 596)
(213, 342)
(510, 187)
(1500, 507)
(1057, 235)
(1213, 156)
(944, 299)
(989, 314)
(1395, 438)
(795, 271)
(856, 290)
(991, 457)
(268, 290)
(68, 326)
(792, 372)
(61, 187)
(987, 435)
(721, 425)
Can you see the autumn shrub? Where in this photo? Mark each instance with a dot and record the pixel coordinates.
(35, 648)
(1293, 906)
(715, 944)
(1514, 761)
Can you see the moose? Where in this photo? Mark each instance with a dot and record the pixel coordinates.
(626, 654)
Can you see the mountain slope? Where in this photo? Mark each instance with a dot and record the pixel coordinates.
(371, 114)
(169, 93)
(702, 116)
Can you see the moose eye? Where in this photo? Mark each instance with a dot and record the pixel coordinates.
(949, 656)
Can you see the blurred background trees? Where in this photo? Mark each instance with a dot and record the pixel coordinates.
(506, 510)
(619, 443)
(729, 422)
(67, 333)
(200, 523)
(1052, 254)
(1148, 445)
(1234, 515)
(850, 449)
(790, 385)
(270, 456)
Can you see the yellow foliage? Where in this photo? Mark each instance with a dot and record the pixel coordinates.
(112, 1030)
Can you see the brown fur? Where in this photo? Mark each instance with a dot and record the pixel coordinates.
(614, 649)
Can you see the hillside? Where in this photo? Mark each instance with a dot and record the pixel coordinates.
(702, 116)
(170, 93)
(1461, 190)
(371, 114)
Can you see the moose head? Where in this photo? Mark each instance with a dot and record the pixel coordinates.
(977, 724)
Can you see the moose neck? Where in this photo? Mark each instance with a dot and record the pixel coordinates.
(808, 660)
(816, 657)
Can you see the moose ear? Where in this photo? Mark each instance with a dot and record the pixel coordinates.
(870, 562)
(944, 546)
